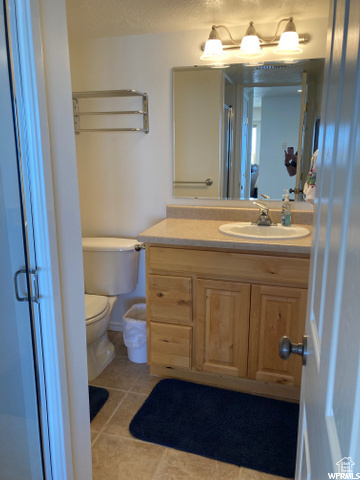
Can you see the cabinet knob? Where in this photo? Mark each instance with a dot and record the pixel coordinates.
(286, 348)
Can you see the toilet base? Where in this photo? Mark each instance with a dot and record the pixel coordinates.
(99, 355)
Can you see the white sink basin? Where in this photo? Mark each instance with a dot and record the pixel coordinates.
(274, 232)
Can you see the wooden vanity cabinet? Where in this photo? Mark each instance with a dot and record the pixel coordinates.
(216, 317)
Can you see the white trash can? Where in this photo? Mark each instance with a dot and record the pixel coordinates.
(135, 332)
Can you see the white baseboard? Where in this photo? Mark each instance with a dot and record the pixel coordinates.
(116, 327)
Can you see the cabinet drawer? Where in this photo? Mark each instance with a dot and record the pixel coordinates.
(170, 345)
(265, 269)
(169, 299)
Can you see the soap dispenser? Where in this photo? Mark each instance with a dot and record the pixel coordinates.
(286, 210)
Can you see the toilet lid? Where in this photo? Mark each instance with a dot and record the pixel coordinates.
(108, 244)
(95, 305)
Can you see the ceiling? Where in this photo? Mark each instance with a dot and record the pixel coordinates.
(108, 18)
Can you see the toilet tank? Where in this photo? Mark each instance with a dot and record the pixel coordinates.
(110, 265)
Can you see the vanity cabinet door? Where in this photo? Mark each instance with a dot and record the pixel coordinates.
(275, 311)
(222, 327)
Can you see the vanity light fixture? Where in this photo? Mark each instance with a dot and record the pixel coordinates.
(252, 43)
(213, 49)
(289, 40)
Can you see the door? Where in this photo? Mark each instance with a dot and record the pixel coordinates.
(21, 441)
(275, 312)
(329, 440)
(300, 146)
(226, 164)
(246, 132)
(222, 326)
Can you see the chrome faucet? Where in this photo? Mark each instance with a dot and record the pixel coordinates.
(264, 219)
(265, 196)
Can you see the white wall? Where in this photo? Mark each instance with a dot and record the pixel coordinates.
(133, 172)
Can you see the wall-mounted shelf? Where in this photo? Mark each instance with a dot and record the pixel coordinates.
(110, 94)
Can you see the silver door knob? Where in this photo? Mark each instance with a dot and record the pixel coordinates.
(286, 348)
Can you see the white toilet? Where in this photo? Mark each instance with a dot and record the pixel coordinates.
(110, 269)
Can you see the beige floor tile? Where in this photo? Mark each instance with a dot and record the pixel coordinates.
(115, 397)
(117, 339)
(118, 458)
(94, 436)
(145, 383)
(120, 421)
(177, 465)
(246, 474)
(119, 374)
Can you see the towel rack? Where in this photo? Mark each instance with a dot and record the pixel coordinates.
(111, 94)
(208, 182)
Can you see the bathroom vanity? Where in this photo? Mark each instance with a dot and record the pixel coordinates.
(217, 306)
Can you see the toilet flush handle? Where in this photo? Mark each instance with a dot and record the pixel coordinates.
(139, 246)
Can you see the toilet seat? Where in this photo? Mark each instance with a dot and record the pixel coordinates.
(96, 307)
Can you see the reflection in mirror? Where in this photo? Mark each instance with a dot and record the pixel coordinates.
(232, 125)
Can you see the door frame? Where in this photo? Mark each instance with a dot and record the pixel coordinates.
(38, 38)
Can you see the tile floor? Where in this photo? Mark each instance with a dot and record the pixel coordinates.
(117, 455)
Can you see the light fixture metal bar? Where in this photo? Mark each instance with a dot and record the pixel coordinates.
(304, 38)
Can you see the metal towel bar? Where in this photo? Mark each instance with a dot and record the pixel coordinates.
(208, 182)
(111, 94)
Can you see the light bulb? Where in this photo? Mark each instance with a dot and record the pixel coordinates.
(250, 46)
(213, 50)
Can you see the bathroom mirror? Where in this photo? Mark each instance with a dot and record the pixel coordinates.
(232, 125)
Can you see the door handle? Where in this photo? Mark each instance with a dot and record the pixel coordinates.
(286, 348)
(33, 274)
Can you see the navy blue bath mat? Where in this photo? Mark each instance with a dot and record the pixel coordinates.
(233, 427)
(97, 399)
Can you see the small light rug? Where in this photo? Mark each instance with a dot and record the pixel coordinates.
(233, 427)
(97, 399)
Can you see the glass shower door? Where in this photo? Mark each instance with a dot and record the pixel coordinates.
(21, 447)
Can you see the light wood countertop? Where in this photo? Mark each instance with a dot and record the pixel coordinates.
(205, 233)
